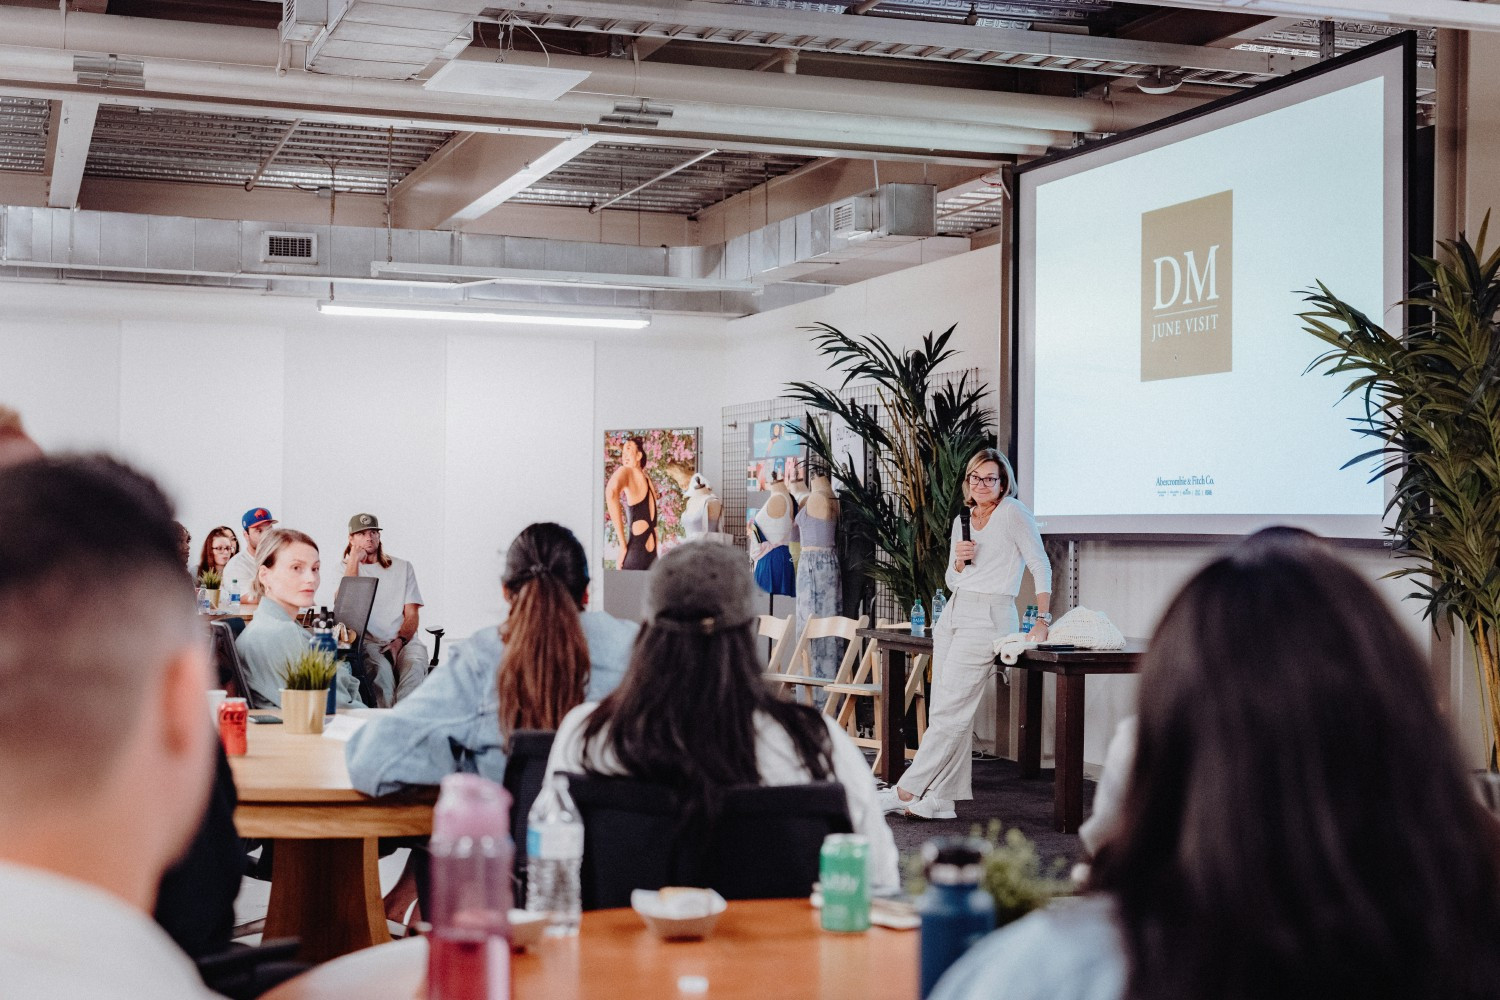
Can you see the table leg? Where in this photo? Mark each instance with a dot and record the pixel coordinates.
(327, 892)
(893, 740)
(1029, 754)
(1067, 803)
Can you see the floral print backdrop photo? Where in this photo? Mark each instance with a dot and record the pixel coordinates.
(671, 460)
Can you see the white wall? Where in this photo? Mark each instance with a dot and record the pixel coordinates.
(456, 439)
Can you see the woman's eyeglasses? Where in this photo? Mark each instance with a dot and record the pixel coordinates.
(990, 481)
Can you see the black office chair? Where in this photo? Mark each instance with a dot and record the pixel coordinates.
(764, 843)
(525, 767)
(351, 608)
(231, 669)
(437, 644)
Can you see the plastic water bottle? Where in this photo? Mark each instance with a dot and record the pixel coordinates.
(955, 910)
(468, 951)
(234, 591)
(1029, 620)
(554, 858)
(939, 602)
(918, 619)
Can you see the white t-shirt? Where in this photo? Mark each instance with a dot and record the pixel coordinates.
(63, 938)
(779, 764)
(241, 567)
(398, 588)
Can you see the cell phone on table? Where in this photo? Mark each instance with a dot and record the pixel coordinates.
(265, 719)
(1052, 647)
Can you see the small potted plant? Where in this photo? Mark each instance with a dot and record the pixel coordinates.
(210, 580)
(304, 691)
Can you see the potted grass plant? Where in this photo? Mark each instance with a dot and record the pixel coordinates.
(210, 581)
(1432, 413)
(304, 691)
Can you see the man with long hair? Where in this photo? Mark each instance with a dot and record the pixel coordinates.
(393, 652)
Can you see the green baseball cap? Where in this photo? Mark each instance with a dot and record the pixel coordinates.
(364, 522)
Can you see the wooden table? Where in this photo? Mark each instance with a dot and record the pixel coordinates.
(896, 645)
(761, 948)
(325, 885)
(1071, 668)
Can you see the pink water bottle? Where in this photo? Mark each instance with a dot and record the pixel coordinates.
(468, 955)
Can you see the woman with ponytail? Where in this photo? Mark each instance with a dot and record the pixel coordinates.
(548, 656)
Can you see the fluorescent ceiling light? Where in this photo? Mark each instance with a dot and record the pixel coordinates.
(467, 315)
(496, 79)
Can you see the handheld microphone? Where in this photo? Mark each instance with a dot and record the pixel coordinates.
(963, 526)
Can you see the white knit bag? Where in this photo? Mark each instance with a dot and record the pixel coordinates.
(1087, 630)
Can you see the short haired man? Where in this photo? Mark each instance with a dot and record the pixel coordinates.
(392, 651)
(103, 729)
(257, 522)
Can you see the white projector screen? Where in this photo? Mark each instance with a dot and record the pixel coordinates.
(1159, 361)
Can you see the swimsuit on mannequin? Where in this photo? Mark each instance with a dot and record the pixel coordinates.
(775, 527)
(819, 594)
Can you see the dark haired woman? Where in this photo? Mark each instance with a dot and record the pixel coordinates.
(546, 657)
(1297, 820)
(634, 520)
(984, 576)
(219, 547)
(694, 711)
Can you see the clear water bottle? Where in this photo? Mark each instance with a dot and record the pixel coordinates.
(1029, 620)
(234, 591)
(554, 858)
(468, 951)
(956, 912)
(918, 618)
(939, 602)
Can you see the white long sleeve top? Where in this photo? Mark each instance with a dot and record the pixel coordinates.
(1007, 544)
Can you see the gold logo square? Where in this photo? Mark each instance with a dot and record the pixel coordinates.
(1187, 270)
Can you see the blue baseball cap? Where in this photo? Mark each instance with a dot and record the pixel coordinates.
(254, 516)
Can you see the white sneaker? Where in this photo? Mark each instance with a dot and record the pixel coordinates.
(890, 801)
(931, 808)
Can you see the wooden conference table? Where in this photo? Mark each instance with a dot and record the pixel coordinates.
(761, 948)
(325, 886)
(1072, 669)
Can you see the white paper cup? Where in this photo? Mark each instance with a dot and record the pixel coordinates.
(215, 699)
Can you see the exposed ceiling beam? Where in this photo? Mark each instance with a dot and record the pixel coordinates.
(476, 174)
(74, 130)
(1460, 14)
(700, 20)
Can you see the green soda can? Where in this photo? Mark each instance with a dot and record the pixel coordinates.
(844, 872)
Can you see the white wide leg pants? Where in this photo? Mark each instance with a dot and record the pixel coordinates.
(963, 657)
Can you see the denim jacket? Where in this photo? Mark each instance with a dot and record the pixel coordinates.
(452, 721)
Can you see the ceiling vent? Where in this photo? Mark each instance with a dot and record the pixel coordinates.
(852, 217)
(301, 20)
(289, 248)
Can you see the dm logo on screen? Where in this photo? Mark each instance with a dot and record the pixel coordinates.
(1186, 272)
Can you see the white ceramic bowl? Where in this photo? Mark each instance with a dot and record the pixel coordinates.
(526, 928)
(679, 917)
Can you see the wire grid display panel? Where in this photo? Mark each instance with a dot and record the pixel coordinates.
(737, 421)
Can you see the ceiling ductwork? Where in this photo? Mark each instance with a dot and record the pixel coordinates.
(813, 248)
(390, 40)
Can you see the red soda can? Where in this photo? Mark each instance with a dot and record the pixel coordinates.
(234, 714)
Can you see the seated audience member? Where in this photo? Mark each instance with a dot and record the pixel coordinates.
(694, 711)
(287, 574)
(1297, 821)
(184, 544)
(15, 444)
(241, 566)
(548, 656)
(106, 754)
(392, 652)
(218, 548)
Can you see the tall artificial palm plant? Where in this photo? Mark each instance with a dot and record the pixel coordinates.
(921, 432)
(1432, 407)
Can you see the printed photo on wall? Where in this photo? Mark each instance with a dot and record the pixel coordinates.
(646, 473)
(776, 452)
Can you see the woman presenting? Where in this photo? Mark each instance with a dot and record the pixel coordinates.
(984, 576)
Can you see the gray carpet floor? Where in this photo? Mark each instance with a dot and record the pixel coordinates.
(1000, 793)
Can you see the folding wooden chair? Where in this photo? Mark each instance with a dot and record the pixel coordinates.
(778, 630)
(866, 683)
(799, 672)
